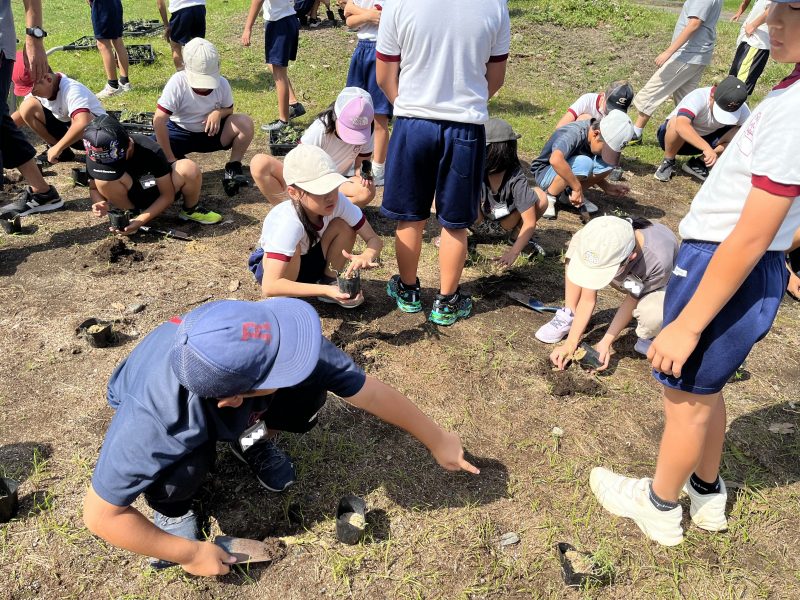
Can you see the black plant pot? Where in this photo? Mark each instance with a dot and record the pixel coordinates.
(80, 176)
(97, 333)
(350, 286)
(350, 521)
(11, 225)
(9, 499)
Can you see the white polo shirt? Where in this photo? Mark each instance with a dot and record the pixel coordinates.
(275, 10)
(283, 231)
(342, 153)
(588, 104)
(72, 98)
(369, 31)
(176, 5)
(760, 37)
(188, 108)
(763, 155)
(696, 107)
(443, 48)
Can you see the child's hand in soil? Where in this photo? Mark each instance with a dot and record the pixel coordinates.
(615, 189)
(209, 560)
(671, 348)
(100, 209)
(132, 228)
(604, 350)
(359, 262)
(561, 355)
(449, 453)
(507, 260)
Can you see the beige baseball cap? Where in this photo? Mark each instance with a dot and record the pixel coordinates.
(597, 251)
(202, 64)
(311, 169)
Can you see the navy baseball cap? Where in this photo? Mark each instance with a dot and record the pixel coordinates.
(228, 347)
(106, 144)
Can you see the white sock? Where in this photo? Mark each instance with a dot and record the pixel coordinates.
(638, 130)
(378, 169)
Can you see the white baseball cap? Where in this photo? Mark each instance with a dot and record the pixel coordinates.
(617, 130)
(202, 64)
(597, 251)
(311, 169)
(354, 115)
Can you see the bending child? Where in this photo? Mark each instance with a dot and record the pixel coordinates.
(635, 257)
(618, 96)
(728, 282)
(234, 372)
(306, 240)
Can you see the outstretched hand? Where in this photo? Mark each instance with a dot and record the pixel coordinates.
(358, 261)
(449, 453)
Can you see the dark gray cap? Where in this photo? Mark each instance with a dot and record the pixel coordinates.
(498, 130)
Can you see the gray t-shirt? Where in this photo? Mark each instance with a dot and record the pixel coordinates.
(650, 271)
(515, 193)
(8, 38)
(571, 139)
(699, 48)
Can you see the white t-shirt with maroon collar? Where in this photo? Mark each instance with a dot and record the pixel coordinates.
(283, 230)
(588, 104)
(443, 47)
(369, 31)
(72, 98)
(189, 109)
(696, 106)
(275, 10)
(764, 155)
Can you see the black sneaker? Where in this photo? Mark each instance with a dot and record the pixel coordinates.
(28, 202)
(666, 170)
(296, 110)
(407, 298)
(233, 179)
(275, 125)
(616, 174)
(341, 15)
(447, 311)
(533, 249)
(330, 15)
(696, 168)
(313, 23)
(272, 467)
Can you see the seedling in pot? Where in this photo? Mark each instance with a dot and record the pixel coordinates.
(366, 170)
(97, 333)
(350, 519)
(119, 219)
(13, 225)
(349, 283)
(582, 568)
(80, 176)
(587, 357)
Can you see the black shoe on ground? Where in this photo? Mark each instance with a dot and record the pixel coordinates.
(665, 170)
(233, 178)
(331, 16)
(696, 168)
(272, 466)
(313, 23)
(28, 202)
(296, 110)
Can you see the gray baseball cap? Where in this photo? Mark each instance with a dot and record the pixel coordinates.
(498, 130)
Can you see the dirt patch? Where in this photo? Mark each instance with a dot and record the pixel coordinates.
(571, 381)
(116, 251)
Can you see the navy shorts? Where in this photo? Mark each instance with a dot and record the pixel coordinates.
(142, 198)
(688, 149)
(187, 23)
(58, 129)
(362, 75)
(107, 19)
(434, 159)
(312, 264)
(280, 40)
(14, 147)
(183, 141)
(743, 321)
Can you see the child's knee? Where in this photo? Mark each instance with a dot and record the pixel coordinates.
(263, 166)
(582, 166)
(244, 124)
(184, 172)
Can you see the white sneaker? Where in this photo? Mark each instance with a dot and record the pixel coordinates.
(378, 172)
(558, 327)
(125, 87)
(550, 213)
(708, 510)
(642, 346)
(590, 206)
(107, 92)
(629, 497)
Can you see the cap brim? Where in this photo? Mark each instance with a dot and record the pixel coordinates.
(21, 89)
(103, 172)
(201, 81)
(725, 117)
(357, 137)
(591, 279)
(299, 342)
(322, 185)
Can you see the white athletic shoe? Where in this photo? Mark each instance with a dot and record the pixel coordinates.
(550, 213)
(629, 497)
(708, 510)
(125, 87)
(590, 206)
(108, 91)
(557, 328)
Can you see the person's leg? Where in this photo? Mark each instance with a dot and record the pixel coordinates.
(338, 236)
(452, 254)
(187, 179)
(282, 87)
(657, 89)
(116, 192)
(238, 134)
(34, 177)
(32, 113)
(408, 247)
(358, 194)
(267, 172)
(106, 50)
(673, 142)
(686, 81)
(177, 55)
(381, 139)
(122, 58)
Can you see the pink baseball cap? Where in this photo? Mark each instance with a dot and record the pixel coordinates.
(354, 115)
(21, 76)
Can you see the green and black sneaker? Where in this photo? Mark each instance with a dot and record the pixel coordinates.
(449, 309)
(199, 214)
(407, 298)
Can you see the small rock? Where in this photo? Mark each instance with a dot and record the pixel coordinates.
(211, 284)
(782, 428)
(509, 539)
(136, 308)
(76, 350)
(233, 285)
(557, 432)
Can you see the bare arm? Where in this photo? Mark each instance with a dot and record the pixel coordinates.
(495, 76)
(740, 11)
(621, 319)
(160, 120)
(684, 128)
(391, 406)
(561, 166)
(567, 118)
(357, 16)
(561, 355)
(35, 54)
(125, 527)
(387, 75)
(369, 258)
(166, 196)
(255, 6)
(162, 10)
(276, 283)
(683, 37)
(733, 261)
(75, 132)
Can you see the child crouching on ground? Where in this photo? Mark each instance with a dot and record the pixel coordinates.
(727, 285)
(306, 240)
(636, 257)
(508, 202)
(234, 372)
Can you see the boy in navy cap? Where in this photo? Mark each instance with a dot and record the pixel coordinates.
(230, 371)
(131, 172)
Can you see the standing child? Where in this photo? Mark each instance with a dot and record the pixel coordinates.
(726, 288)
(195, 114)
(187, 21)
(107, 26)
(281, 36)
(681, 65)
(306, 240)
(437, 147)
(752, 45)
(635, 257)
(228, 371)
(365, 16)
